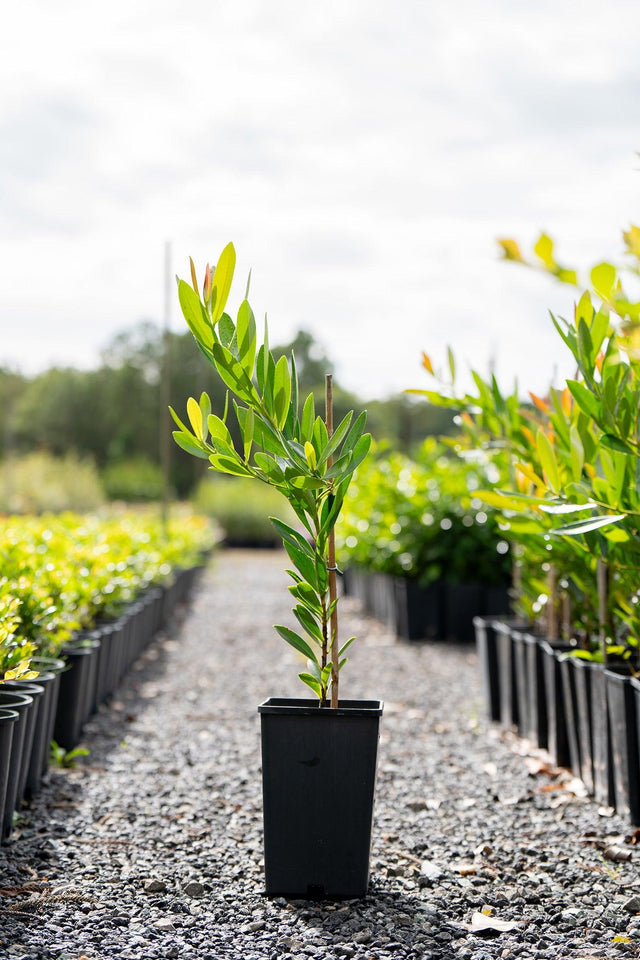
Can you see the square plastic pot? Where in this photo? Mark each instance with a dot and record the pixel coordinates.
(318, 777)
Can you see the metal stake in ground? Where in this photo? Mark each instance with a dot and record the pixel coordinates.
(335, 660)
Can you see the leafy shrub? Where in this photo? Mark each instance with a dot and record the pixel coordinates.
(40, 483)
(65, 571)
(135, 480)
(242, 509)
(420, 518)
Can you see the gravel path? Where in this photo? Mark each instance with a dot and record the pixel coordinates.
(152, 849)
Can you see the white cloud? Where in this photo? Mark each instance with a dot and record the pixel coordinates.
(363, 160)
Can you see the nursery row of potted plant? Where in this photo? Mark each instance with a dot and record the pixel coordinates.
(62, 663)
(422, 552)
(568, 499)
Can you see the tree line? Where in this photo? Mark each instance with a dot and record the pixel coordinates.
(115, 412)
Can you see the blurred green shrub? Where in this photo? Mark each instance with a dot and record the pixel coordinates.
(242, 508)
(135, 480)
(40, 483)
(420, 518)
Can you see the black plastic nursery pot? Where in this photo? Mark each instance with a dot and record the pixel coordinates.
(621, 708)
(572, 714)
(33, 726)
(581, 671)
(318, 778)
(8, 720)
(462, 601)
(77, 684)
(536, 697)
(39, 761)
(22, 703)
(523, 688)
(557, 742)
(509, 708)
(418, 610)
(487, 652)
(603, 784)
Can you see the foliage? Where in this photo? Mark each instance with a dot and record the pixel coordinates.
(137, 479)
(66, 759)
(242, 507)
(573, 484)
(283, 444)
(15, 651)
(421, 518)
(40, 483)
(65, 571)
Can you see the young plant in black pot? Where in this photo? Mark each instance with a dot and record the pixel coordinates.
(318, 755)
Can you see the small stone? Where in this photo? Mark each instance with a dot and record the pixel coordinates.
(363, 936)
(164, 923)
(155, 886)
(632, 905)
(194, 889)
(417, 805)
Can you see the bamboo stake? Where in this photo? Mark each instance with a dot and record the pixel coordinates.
(566, 616)
(335, 660)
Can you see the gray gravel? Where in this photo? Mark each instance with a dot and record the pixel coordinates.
(153, 848)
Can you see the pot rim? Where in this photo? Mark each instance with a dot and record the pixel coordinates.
(299, 706)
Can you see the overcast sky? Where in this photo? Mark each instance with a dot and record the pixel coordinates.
(362, 156)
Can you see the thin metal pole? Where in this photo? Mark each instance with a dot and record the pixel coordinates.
(331, 545)
(165, 391)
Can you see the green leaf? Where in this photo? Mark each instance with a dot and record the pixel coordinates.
(218, 430)
(313, 683)
(195, 315)
(548, 461)
(336, 439)
(585, 399)
(195, 417)
(308, 622)
(586, 526)
(543, 249)
(296, 642)
(227, 333)
(270, 467)
(304, 564)
(281, 391)
(246, 337)
(233, 374)
(308, 418)
(615, 443)
(205, 410)
(603, 278)
(222, 279)
(190, 444)
(293, 537)
(225, 464)
(560, 508)
(577, 451)
(306, 595)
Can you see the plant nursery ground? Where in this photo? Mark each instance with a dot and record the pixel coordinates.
(152, 849)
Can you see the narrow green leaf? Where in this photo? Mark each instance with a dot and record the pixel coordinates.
(233, 374)
(308, 418)
(246, 337)
(336, 439)
(585, 399)
(296, 642)
(222, 279)
(281, 391)
(313, 683)
(586, 526)
(292, 536)
(548, 461)
(308, 622)
(195, 314)
(190, 444)
(269, 466)
(615, 443)
(224, 464)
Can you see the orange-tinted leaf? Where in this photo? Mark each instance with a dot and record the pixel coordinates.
(426, 363)
(566, 401)
(542, 405)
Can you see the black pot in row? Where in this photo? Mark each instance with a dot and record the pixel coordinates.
(586, 714)
(441, 610)
(58, 702)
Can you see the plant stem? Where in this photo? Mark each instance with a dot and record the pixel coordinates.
(331, 549)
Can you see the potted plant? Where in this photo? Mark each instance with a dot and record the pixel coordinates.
(318, 755)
